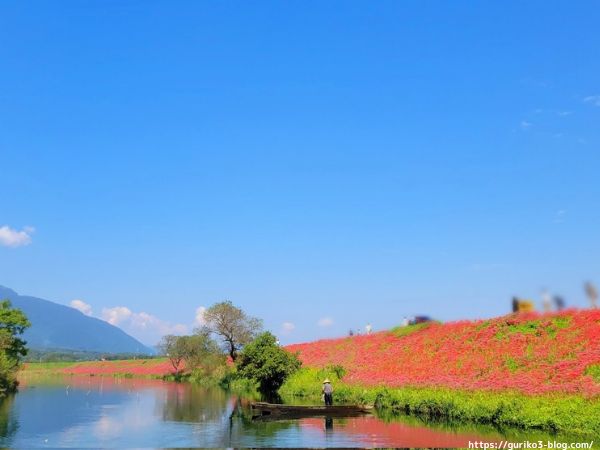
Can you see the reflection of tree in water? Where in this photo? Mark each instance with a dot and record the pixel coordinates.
(186, 402)
(259, 433)
(189, 403)
(8, 423)
(456, 426)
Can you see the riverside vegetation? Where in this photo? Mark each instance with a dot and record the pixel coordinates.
(12, 348)
(529, 371)
(556, 413)
(533, 371)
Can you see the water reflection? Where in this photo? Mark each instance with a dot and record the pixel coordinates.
(113, 412)
(190, 403)
(8, 423)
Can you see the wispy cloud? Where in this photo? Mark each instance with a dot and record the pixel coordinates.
(142, 325)
(132, 321)
(560, 216)
(287, 327)
(10, 237)
(592, 99)
(557, 112)
(536, 82)
(325, 322)
(81, 306)
(525, 125)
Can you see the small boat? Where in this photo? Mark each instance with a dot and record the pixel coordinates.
(262, 410)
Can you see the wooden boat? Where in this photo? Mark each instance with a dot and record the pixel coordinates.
(262, 410)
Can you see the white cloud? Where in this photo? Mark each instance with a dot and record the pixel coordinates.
(142, 322)
(593, 99)
(199, 319)
(82, 306)
(287, 327)
(560, 216)
(558, 112)
(14, 238)
(325, 322)
(525, 125)
(116, 315)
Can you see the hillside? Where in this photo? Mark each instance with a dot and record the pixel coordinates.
(529, 353)
(59, 327)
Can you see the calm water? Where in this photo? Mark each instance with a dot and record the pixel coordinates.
(109, 412)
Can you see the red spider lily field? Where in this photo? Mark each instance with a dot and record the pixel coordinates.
(158, 367)
(529, 353)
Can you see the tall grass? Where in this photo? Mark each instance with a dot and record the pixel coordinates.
(560, 414)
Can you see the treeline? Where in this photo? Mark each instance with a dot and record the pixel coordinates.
(12, 348)
(66, 355)
(230, 348)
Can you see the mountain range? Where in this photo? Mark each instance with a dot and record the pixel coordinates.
(58, 327)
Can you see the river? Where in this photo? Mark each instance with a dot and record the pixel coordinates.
(118, 412)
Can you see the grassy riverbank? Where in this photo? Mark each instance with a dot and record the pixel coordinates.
(561, 414)
(155, 368)
(530, 371)
(534, 371)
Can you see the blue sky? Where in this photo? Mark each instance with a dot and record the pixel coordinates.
(321, 164)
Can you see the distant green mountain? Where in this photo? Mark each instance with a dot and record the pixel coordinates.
(55, 326)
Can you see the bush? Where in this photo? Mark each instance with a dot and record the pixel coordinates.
(267, 363)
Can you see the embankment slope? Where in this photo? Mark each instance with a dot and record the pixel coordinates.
(529, 353)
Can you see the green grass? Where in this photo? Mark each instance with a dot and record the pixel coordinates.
(47, 366)
(594, 372)
(511, 364)
(550, 327)
(410, 329)
(307, 382)
(562, 414)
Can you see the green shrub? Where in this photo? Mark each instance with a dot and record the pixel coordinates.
(265, 362)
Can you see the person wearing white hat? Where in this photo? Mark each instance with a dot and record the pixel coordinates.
(327, 392)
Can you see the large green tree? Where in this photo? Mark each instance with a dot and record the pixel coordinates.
(13, 323)
(265, 362)
(232, 325)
